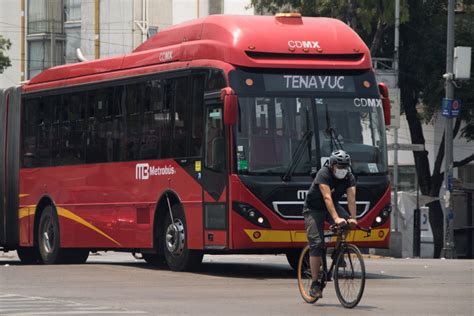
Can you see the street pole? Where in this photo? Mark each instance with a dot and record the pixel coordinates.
(395, 130)
(395, 235)
(448, 248)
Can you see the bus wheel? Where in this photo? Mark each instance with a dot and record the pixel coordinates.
(75, 256)
(293, 257)
(48, 237)
(28, 255)
(153, 258)
(177, 255)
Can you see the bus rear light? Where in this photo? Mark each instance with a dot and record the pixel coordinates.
(251, 214)
(383, 216)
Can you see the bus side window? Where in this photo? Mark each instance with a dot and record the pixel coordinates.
(165, 119)
(96, 140)
(43, 145)
(180, 117)
(72, 129)
(215, 148)
(54, 108)
(31, 137)
(197, 113)
(149, 144)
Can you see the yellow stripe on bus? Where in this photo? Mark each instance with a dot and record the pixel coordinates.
(68, 214)
(263, 235)
(26, 211)
(30, 210)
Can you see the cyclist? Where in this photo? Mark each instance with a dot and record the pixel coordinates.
(322, 203)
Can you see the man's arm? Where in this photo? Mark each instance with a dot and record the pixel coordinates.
(326, 192)
(351, 202)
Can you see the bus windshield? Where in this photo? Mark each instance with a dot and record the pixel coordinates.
(271, 128)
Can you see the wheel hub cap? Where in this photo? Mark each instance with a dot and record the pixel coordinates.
(175, 237)
(48, 236)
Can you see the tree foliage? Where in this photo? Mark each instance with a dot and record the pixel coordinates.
(369, 18)
(423, 60)
(5, 45)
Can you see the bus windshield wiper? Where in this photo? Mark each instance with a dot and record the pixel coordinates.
(297, 156)
(332, 133)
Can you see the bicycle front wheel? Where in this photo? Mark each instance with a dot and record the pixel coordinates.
(349, 276)
(304, 276)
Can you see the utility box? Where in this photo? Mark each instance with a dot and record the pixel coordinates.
(462, 63)
(463, 224)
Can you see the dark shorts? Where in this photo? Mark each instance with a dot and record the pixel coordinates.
(314, 223)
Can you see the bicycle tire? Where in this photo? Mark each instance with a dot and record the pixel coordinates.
(349, 276)
(304, 276)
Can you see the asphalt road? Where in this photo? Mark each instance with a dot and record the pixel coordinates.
(116, 283)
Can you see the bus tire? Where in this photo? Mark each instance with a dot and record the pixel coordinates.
(293, 256)
(48, 237)
(177, 255)
(28, 255)
(154, 259)
(75, 256)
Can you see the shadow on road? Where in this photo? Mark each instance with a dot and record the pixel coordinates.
(383, 276)
(357, 309)
(257, 271)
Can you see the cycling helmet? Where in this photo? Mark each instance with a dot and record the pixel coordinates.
(339, 158)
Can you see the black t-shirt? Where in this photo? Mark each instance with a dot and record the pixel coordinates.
(314, 199)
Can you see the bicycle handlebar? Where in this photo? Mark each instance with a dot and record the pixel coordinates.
(334, 228)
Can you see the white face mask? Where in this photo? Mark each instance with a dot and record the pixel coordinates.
(340, 173)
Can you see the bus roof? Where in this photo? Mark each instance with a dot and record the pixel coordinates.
(248, 41)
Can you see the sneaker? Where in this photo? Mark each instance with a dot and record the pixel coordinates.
(315, 290)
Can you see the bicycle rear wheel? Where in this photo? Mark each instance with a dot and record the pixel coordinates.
(349, 276)
(304, 276)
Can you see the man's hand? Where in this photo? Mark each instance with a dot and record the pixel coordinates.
(340, 221)
(352, 222)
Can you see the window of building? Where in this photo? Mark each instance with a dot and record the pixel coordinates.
(466, 175)
(216, 7)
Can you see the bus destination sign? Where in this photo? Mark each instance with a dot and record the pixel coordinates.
(309, 83)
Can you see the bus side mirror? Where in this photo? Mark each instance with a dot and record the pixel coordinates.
(385, 102)
(230, 106)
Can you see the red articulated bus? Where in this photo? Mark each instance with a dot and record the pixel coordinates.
(201, 141)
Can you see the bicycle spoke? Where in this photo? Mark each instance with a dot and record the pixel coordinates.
(349, 276)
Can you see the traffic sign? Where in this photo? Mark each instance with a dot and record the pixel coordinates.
(409, 147)
(450, 107)
(455, 108)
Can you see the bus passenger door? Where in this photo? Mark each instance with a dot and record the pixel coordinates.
(214, 177)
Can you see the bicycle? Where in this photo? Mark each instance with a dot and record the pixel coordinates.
(347, 269)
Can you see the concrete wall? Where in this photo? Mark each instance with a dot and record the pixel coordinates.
(87, 29)
(185, 10)
(237, 7)
(116, 26)
(433, 134)
(10, 28)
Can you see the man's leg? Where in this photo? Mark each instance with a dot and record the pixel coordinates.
(315, 263)
(314, 222)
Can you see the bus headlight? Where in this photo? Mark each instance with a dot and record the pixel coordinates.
(383, 216)
(251, 214)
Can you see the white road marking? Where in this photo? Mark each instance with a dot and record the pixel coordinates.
(14, 304)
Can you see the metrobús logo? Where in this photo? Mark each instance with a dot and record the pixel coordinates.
(143, 171)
